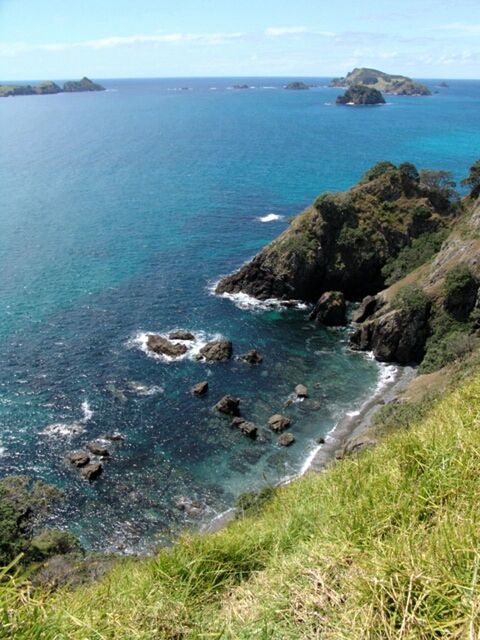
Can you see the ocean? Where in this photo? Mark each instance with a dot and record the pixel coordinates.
(120, 210)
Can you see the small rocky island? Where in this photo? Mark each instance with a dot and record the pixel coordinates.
(360, 94)
(48, 88)
(384, 82)
(297, 86)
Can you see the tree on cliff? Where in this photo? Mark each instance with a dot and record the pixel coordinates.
(473, 180)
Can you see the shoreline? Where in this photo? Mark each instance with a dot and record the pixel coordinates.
(344, 433)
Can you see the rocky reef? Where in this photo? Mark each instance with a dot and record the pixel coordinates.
(48, 87)
(297, 86)
(391, 84)
(360, 94)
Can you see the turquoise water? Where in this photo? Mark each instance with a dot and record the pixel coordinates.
(119, 211)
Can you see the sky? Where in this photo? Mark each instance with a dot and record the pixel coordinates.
(61, 39)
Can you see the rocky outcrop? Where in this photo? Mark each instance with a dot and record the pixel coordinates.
(79, 458)
(330, 309)
(286, 439)
(392, 84)
(301, 391)
(181, 334)
(297, 86)
(359, 94)
(92, 471)
(366, 308)
(252, 357)
(200, 389)
(85, 84)
(229, 405)
(279, 423)
(342, 242)
(98, 449)
(247, 428)
(216, 351)
(395, 335)
(164, 347)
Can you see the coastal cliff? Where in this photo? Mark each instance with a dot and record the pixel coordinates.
(343, 240)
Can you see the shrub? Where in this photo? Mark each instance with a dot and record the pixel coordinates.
(412, 299)
(460, 291)
(377, 170)
(444, 351)
(473, 180)
(417, 253)
(409, 171)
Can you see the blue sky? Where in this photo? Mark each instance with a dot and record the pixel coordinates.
(59, 39)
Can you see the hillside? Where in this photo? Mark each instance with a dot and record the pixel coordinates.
(48, 87)
(384, 82)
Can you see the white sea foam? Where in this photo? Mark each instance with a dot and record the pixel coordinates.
(270, 217)
(144, 390)
(249, 303)
(67, 429)
(139, 341)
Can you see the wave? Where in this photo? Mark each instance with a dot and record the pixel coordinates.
(270, 217)
(139, 341)
(70, 428)
(144, 390)
(249, 303)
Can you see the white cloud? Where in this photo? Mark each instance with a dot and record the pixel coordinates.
(15, 48)
(276, 32)
(461, 27)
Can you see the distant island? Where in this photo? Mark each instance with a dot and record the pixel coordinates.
(48, 87)
(391, 84)
(360, 94)
(297, 86)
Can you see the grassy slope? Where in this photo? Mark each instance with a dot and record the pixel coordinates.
(383, 545)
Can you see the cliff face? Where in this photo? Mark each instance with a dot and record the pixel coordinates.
(432, 316)
(344, 239)
(392, 84)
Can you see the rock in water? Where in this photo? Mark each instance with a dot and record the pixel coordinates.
(252, 357)
(181, 334)
(248, 428)
(92, 471)
(360, 94)
(301, 391)
(279, 423)
(331, 309)
(98, 449)
(297, 86)
(216, 351)
(164, 347)
(230, 405)
(79, 458)
(286, 439)
(200, 388)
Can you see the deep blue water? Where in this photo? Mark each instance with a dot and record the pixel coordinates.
(119, 211)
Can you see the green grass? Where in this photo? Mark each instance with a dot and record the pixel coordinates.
(383, 545)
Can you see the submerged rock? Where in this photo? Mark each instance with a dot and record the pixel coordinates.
(330, 309)
(79, 458)
(91, 471)
(216, 351)
(230, 405)
(252, 357)
(181, 334)
(301, 391)
(164, 347)
(192, 508)
(286, 439)
(200, 388)
(98, 449)
(279, 423)
(248, 428)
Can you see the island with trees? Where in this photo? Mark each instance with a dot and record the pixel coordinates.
(384, 82)
(49, 87)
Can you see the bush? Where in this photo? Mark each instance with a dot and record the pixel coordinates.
(473, 180)
(446, 350)
(417, 253)
(460, 291)
(412, 299)
(377, 170)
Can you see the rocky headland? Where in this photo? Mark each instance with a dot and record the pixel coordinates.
(391, 84)
(48, 87)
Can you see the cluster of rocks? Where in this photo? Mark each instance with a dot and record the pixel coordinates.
(90, 460)
(230, 406)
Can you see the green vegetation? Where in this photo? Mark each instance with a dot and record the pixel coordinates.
(412, 299)
(378, 170)
(414, 255)
(360, 94)
(384, 545)
(395, 84)
(473, 180)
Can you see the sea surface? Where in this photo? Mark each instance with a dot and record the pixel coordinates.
(120, 210)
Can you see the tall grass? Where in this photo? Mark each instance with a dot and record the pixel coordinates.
(383, 545)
